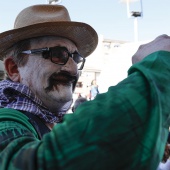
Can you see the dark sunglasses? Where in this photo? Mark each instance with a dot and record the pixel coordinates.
(59, 55)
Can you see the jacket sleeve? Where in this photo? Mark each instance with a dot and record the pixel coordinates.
(125, 128)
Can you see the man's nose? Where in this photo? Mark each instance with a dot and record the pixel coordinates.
(70, 67)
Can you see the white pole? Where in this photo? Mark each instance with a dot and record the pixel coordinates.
(136, 29)
(141, 8)
(128, 9)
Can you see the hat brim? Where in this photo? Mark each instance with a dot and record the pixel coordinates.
(83, 35)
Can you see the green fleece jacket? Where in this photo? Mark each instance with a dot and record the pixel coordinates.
(123, 129)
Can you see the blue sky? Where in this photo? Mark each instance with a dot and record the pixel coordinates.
(108, 17)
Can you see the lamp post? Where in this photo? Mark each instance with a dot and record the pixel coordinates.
(135, 15)
(53, 1)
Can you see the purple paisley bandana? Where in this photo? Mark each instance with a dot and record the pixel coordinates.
(18, 96)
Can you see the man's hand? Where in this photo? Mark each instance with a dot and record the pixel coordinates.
(162, 42)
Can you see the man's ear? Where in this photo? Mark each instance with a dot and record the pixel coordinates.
(12, 69)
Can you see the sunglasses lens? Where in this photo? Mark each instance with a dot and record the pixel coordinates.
(78, 59)
(59, 55)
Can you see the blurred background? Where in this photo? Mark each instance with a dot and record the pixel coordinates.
(122, 25)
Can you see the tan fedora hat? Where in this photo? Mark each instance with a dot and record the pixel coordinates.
(44, 20)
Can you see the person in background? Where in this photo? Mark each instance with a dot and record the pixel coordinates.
(93, 89)
(125, 128)
(78, 102)
(165, 163)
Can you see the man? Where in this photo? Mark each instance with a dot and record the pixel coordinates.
(125, 128)
(78, 102)
(94, 90)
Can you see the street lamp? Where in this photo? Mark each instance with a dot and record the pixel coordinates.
(54, 1)
(135, 15)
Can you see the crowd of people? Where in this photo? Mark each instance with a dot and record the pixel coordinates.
(165, 162)
(125, 128)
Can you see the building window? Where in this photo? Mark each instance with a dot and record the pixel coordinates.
(79, 85)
